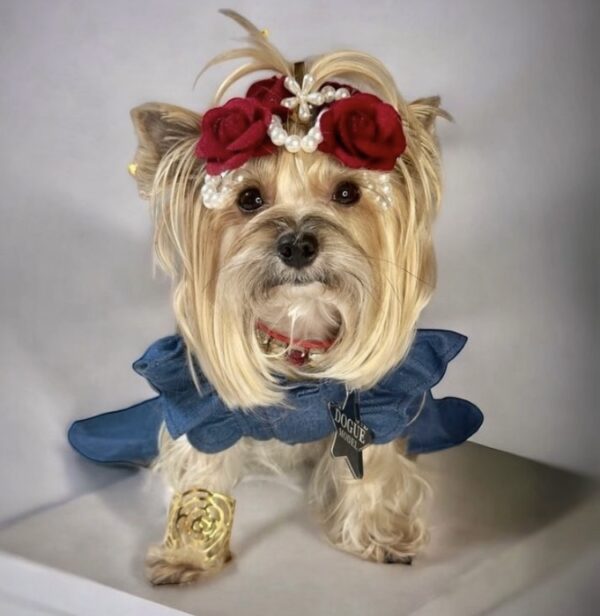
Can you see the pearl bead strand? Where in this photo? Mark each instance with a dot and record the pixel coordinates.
(381, 187)
(304, 99)
(216, 188)
(294, 143)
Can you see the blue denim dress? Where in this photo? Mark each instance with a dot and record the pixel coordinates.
(400, 405)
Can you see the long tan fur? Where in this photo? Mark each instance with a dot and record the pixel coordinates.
(377, 273)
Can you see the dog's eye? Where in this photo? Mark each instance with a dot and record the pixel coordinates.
(346, 193)
(250, 200)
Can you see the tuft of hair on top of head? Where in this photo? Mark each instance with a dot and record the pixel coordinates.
(418, 165)
(261, 54)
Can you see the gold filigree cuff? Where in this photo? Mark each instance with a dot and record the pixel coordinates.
(200, 521)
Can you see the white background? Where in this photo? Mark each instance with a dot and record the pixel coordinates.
(517, 239)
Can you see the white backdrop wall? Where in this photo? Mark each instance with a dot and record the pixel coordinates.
(517, 239)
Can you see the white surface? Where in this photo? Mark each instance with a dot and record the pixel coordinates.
(502, 527)
(573, 590)
(28, 589)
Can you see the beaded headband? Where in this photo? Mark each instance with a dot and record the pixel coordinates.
(357, 128)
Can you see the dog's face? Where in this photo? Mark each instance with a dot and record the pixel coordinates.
(301, 243)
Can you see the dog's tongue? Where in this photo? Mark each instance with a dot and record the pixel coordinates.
(297, 357)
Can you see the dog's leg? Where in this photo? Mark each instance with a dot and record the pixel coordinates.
(200, 514)
(378, 517)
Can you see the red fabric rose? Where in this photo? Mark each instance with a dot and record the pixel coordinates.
(363, 132)
(270, 92)
(234, 133)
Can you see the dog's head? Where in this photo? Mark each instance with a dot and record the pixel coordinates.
(294, 215)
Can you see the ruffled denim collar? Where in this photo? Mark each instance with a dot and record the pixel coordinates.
(400, 405)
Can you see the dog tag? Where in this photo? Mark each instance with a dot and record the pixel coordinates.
(351, 434)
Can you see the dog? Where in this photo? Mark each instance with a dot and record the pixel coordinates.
(296, 224)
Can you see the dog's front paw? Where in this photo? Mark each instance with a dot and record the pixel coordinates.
(399, 552)
(391, 558)
(178, 566)
(380, 535)
(197, 538)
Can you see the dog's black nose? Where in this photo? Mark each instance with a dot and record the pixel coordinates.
(297, 249)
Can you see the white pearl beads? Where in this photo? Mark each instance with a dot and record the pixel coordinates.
(380, 185)
(304, 113)
(328, 93)
(341, 93)
(294, 143)
(216, 188)
(304, 99)
(278, 136)
(309, 144)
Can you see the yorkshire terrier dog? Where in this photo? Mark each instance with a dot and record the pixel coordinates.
(296, 223)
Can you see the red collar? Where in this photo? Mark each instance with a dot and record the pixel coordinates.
(298, 351)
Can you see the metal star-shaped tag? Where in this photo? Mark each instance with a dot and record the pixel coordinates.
(351, 434)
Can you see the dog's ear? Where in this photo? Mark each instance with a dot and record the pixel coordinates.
(159, 128)
(427, 110)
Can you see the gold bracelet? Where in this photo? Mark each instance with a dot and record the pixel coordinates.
(201, 521)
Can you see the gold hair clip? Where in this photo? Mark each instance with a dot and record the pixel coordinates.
(201, 521)
(132, 168)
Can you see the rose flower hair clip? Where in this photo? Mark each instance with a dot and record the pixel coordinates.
(357, 128)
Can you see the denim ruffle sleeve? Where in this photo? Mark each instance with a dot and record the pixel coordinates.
(401, 405)
(130, 436)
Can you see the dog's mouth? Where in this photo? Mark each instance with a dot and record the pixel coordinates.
(297, 351)
(297, 278)
(299, 318)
